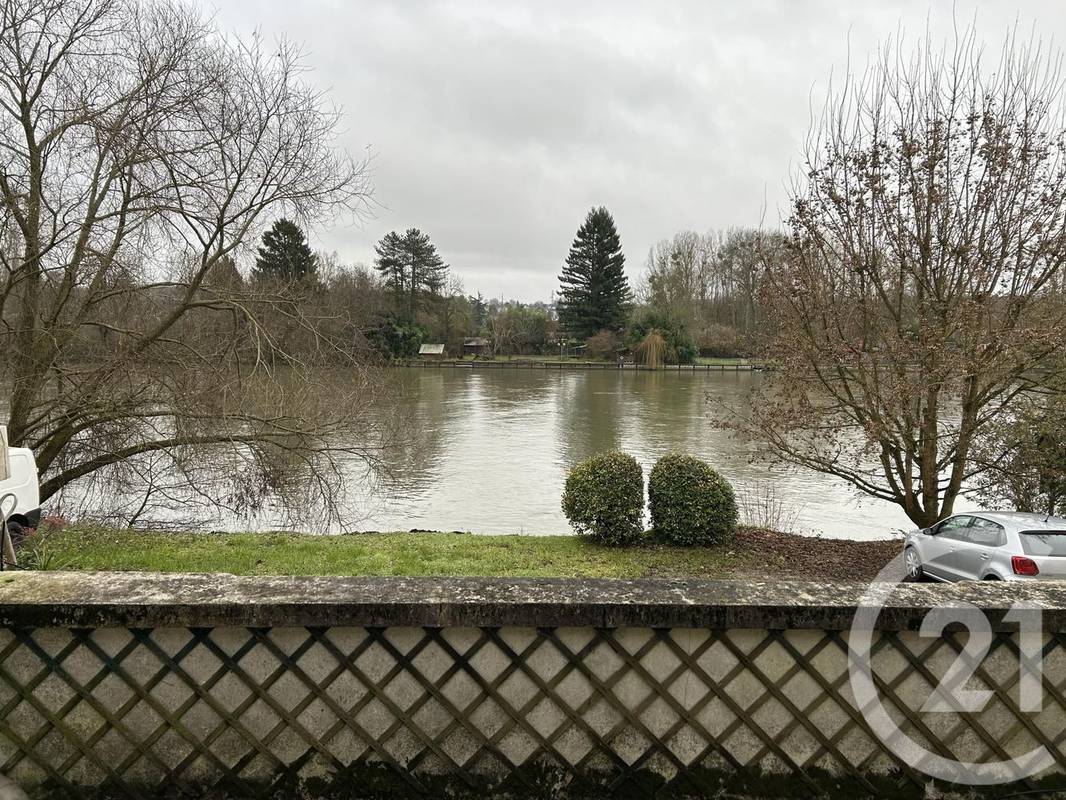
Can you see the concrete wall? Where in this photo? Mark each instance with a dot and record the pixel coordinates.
(139, 686)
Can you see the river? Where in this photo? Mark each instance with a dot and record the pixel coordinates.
(488, 450)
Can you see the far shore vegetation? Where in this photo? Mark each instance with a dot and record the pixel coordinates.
(753, 553)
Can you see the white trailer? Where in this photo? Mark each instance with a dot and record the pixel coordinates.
(20, 491)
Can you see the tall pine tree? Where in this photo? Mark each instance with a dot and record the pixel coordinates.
(284, 254)
(411, 267)
(478, 313)
(593, 289)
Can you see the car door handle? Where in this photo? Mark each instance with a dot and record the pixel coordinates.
(986, 555)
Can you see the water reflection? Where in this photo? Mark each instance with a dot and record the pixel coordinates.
(488, 450)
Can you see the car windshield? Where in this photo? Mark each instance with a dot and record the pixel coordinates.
(1044, 543)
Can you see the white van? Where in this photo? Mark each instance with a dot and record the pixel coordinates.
(18, 477)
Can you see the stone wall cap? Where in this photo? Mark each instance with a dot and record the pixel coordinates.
(142, 599)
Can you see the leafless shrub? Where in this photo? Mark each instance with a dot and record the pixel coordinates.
(603, 346)
(761, 506)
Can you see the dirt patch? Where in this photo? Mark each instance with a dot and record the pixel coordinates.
(787, 555)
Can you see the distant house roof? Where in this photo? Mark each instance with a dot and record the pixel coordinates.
(477, 341)
(431, 350)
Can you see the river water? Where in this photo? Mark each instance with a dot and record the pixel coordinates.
(488, 450)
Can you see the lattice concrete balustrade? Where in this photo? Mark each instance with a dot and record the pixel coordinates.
(150, 685)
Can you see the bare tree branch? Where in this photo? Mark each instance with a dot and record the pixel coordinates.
(922, 284)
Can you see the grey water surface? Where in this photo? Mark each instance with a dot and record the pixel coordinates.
(487, 450)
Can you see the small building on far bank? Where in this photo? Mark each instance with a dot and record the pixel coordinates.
(477, 346)
(431, 351)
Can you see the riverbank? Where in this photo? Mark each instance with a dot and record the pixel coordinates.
(579, 360)
(754, 553)
(704, 365)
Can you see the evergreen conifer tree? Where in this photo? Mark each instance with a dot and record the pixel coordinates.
(594, 291)
(285, 254)
(411, 267)
(478, 313)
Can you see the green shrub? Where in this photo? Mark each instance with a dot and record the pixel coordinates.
(690, 503)
(395, 337)
(604, 498)
(680, 349)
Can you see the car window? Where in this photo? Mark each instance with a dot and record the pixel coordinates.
(954, 527)
(986, 533)
(1044, 543)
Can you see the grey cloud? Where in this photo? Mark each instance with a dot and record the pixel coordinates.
(496, 125)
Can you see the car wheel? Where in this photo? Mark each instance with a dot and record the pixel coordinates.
(913, 564)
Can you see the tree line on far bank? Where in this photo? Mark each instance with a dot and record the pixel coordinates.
(698, 295)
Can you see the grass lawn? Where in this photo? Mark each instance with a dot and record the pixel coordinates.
(754, 553)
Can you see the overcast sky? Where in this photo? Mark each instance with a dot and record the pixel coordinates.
(494, 126)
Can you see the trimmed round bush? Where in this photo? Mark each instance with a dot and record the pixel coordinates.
(690, 503)
(604, 498)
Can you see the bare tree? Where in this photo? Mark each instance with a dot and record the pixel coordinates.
(921, 286)
(677, 276)
(710, 283)
(1025, 455)
(453, 316)
(140, 154)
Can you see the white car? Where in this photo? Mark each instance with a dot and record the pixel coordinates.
(988, 546)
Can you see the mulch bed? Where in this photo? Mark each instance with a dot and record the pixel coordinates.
(814, 558)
